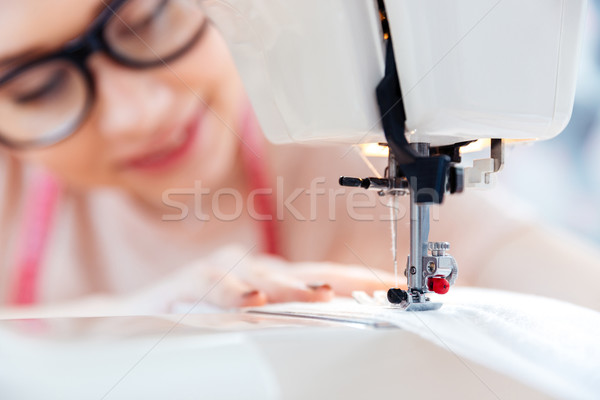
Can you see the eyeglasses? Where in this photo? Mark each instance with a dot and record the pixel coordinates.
(47, 99)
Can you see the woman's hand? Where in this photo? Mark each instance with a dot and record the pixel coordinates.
(233, 277)
(229, 278)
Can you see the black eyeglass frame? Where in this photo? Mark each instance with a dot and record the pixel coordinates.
(77, 52)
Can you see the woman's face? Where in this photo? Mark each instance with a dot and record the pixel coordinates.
(149, 129)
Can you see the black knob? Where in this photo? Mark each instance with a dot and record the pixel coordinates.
(456, 180)
(349, 181)
(397, 296)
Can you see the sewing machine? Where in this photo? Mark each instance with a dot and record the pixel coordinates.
(425, 77)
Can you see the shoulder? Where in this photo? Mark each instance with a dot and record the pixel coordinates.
(317, 216)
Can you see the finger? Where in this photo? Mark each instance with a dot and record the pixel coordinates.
(232, 292)
(281, 288)
(346, 279)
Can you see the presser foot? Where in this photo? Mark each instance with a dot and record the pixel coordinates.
(436, 273)
(413, 302)
(426, 306)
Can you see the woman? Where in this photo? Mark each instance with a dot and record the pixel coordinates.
(136, 111)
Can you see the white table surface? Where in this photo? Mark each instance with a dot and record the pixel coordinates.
(234, 356)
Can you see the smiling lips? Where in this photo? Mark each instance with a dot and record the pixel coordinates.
(165, 158)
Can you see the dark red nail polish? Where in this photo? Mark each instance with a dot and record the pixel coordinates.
(251, 293)
(319, 286)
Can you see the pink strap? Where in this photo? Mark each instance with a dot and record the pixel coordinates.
(253, 153)
(41, 201)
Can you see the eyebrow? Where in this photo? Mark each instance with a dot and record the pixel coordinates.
(18, 57)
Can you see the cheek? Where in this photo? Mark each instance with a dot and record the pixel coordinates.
(78, 160)
(210, 72)
(208, 67)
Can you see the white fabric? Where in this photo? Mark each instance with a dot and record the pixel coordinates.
(547, 344)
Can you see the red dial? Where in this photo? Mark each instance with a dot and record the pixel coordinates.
(439, 285)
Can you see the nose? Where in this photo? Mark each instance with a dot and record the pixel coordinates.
(131, 104)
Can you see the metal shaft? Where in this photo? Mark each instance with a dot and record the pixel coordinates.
(392, 174)
(419, 236)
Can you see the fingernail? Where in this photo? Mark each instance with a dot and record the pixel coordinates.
(251, 293)
(319, 286)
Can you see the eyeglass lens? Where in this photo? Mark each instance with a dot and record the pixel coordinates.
(44, 102)
(149, 31)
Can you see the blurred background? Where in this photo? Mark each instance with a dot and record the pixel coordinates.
(559, 179)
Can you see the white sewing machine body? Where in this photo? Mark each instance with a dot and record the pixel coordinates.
(426, 76)
(468, 69)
